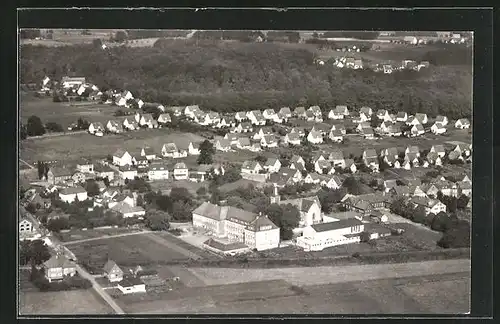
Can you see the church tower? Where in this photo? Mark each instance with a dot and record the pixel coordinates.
(275, 198)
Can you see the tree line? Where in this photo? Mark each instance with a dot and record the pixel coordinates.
(248, 76)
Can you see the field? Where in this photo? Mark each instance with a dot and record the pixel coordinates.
(166, 185)
(76, 302)
(61, 112)
(64, 148)
(142, 249)
(75, 235)
(344, 290)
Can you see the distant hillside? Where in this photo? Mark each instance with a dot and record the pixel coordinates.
(237, 76)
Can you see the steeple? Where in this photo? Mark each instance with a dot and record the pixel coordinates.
(275, 198)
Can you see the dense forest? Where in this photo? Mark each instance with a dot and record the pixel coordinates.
(228, 77)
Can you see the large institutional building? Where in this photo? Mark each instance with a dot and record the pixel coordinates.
(237, 225)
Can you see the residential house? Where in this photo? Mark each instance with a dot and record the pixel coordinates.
(193, 148)
(262, 132)
(337, 158)
(389, 185)
(316, 110)
(434, 159)
(130, 285)
(322, 166)
(244, 127)
(320, 236)
(256, 117)
(172, 150)
(315, 178)
(462, 123)
(309, 116)
(126, 211)
(438, 128)
(78, 177)
(334, 183)
(223, 145)
(438, 149)
(430, 205)
(365, 204)
(148, 121)
(387, 68)
(26, 227)
(164, 119)
(122, 158)
(130, 124)
(148, 153)
(318, 156)
(58, 267)
(70, 82)
(294, 174)
(309, 208)
(297, 160)
(240, 116)
(315, 137)
(417, 130)
(298, 130)
(358, 64)
(190, 111)
(195, 176)
(422, 118)
(465, 188)
(104, 171)
(127, 172)
(226, 121)
(286, 112)
(299, 112)
(269, 141)
(58, 175)
(114, 126)
(181, 171)
(237, 225)
(251, 167)
(96, 127)
(158, 171)
(383, 115)
(292, 139)
(442, 119)
(462, 149)
(243, 143)
(367, 111)
(412, 149)
(402, 116)
(394, 130)
(71, 194)
(368, 133)
(336, 136)
(269, 114)
(272, 165)
(112, 271)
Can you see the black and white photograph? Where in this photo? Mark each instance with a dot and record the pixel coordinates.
(236, 171)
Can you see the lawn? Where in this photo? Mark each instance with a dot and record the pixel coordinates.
(64, 148)
(142, 249)
(61, 112)
(76, 302)
(166, 185)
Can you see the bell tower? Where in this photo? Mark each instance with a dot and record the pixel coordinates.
(275, 198)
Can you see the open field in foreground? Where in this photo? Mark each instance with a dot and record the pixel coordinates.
(76, 302)
(67, 147)
(442, 293)
(327, 275)
(141, 249)
(75, 235)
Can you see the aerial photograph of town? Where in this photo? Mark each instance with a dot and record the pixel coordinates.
(178, 172)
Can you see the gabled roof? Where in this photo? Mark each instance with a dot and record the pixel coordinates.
(271, 162)
(336, 155)
(224, 142)
(120, 152)
(72, 190)
(58, 261)
(418, 127)
(370, 153)
(250, 164)
(302, 204)
(110, 265)
(315, 134)
(331, 226)
(441, 118)
(299, 110)
(61, 172)
(269, 138)
(286, 111)
(170, 147)
(261, 223)
(293, 136)
(296, 158)
(401, 114)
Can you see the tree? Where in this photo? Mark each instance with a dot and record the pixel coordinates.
(286, 217)
(180, 194)
(429, 219)
(353, 186)
(398, 206)
(54, 127)
(139, 184)
(82, 123)
(462, 201)
(41, 169)
(456, 236)
(201, 191)
(23, 132)
(181, 211)
(34, 126)
(57, 224)
(157, 220)
(374, 122)
(92, 188)
(35, 252)
(140, 201)
(440, 222)
(419, 215)
(328, 198)
(207, 151)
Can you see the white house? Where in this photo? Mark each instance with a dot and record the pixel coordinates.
(96, 127)
(158, 171)
(402, 116)
(438, 128)
(114, 127)
(272, 165)
(422, 118)
(164, 119)
(462, 123)
(292, 139)
(269, 113)
(71, 194)
(256, 118)
(193, 148)
(126, 172)
(315, 137)
(251, 167)
(181, 172)
(442, 119)
(383, 115)
(320, 236)
(223, 145)
(122, 158)
(336, 136)
(269, 141)
(334, 183)
(131, 285)
(130, 124)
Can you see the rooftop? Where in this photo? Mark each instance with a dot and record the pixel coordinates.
(344, 223)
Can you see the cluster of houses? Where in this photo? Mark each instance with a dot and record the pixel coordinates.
(350, 62)
(330, 169)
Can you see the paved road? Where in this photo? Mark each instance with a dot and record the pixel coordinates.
(100, 290)
(106, 237)
(26, 163)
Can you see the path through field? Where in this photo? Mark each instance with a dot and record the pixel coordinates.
(106, 237)
(26, 163)
(172, 246)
